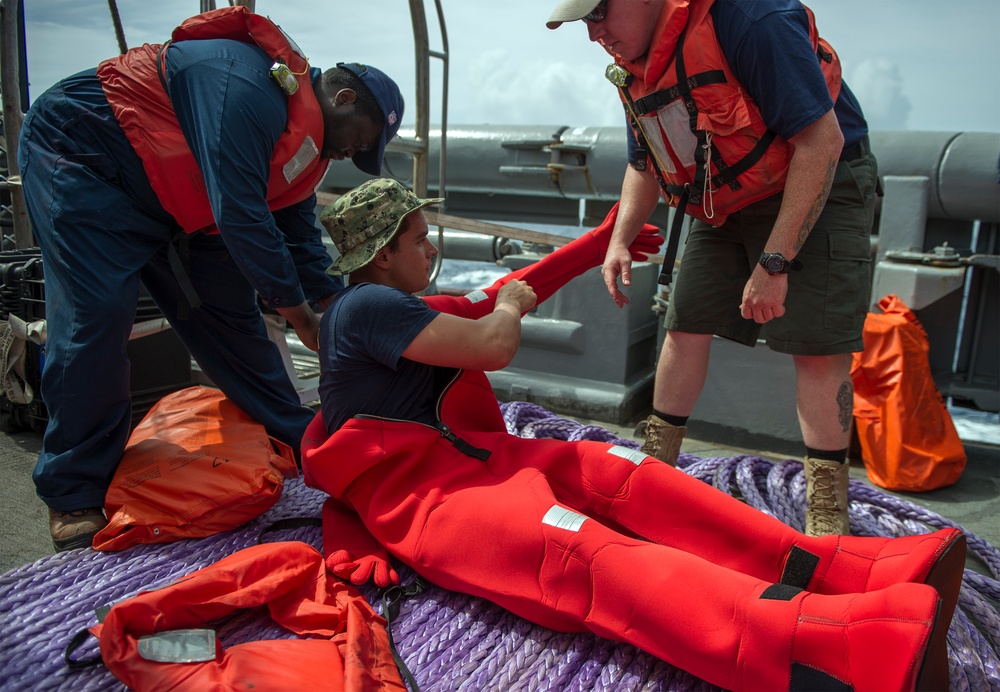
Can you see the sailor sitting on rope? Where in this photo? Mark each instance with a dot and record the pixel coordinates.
(586, 535)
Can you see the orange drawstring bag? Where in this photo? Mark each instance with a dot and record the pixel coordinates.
(196, 465)
(908, 440)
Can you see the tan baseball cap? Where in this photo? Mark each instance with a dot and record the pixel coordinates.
(570, 11)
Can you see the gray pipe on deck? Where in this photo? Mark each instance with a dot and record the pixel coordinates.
(588, 163)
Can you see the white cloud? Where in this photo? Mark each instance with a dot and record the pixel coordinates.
(878, 84)
(548, 93)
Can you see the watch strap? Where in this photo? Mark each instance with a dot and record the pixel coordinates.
(786, 264)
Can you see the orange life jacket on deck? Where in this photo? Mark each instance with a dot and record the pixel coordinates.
(696, 117)
(158, 639)
(135, 88)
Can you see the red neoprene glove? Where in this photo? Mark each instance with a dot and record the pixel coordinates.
(555, 270)
(361, 570)
(351, 552)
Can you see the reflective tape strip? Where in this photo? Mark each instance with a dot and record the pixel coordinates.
(633, 455)
(307, 152)
(179, 646)
(563, 518)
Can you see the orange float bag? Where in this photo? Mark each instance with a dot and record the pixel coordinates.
(196, 465)
(908, 440)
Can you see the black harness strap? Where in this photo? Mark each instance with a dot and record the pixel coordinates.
(179, 257)
(288, 524)
(673, 240)
(702, 150)
(727, 174)
(391, 599)
(161, 66)
(657, 99)
(672, 191)
(75, 643)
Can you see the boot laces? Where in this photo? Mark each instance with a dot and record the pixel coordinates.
(824, 484)
(654, 437)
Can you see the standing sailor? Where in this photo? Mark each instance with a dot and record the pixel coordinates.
(739, 118)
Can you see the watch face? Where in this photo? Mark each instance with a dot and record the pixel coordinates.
(775, 265)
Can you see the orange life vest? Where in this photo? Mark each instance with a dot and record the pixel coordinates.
(704, 133)
(158, 640)
(134, 86)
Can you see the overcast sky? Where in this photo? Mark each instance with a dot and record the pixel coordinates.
(914, 64)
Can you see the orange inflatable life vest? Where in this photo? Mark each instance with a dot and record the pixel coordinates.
(133, 85)
(908, 439)
(695, 116)
(157, 641)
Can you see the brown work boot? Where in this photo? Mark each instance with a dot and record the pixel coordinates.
(75, 528)
(663, 440)
(826, 497)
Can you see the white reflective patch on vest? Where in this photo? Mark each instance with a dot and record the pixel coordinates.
(633, 455)
(303, 157)
(673, 122)
(563, 518)
(476, 296)
(179, 646)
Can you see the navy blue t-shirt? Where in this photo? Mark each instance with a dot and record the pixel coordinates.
(362, 369)
(766, 43)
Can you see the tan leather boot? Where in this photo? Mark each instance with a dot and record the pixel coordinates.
(663, 440)
(826, 497)
(75, 528)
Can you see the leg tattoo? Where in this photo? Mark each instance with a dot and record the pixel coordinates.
(845, 399)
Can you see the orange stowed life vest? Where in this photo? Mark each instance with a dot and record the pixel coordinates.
(195, 466)
(157, 641)
(696, 117)
(133, 84)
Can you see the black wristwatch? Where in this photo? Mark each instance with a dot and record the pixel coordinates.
(775, 263)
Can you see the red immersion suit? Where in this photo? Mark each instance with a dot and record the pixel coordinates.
(589, 536)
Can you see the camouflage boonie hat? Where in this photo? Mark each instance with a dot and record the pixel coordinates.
(364, 220)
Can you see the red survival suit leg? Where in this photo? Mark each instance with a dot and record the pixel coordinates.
(669, 507)
(496, 529)
(657, 502)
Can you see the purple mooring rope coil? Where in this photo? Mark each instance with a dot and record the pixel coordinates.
(449, 640)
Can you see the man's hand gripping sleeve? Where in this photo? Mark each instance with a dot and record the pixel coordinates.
(555, 270)
(351, 552)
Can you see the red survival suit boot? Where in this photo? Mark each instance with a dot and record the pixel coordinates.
(745, 634)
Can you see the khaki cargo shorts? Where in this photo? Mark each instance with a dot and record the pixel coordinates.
(827, 300)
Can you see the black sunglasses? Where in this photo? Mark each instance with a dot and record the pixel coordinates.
(598, 14)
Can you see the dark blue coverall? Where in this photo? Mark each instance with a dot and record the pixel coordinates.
(102, 231)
